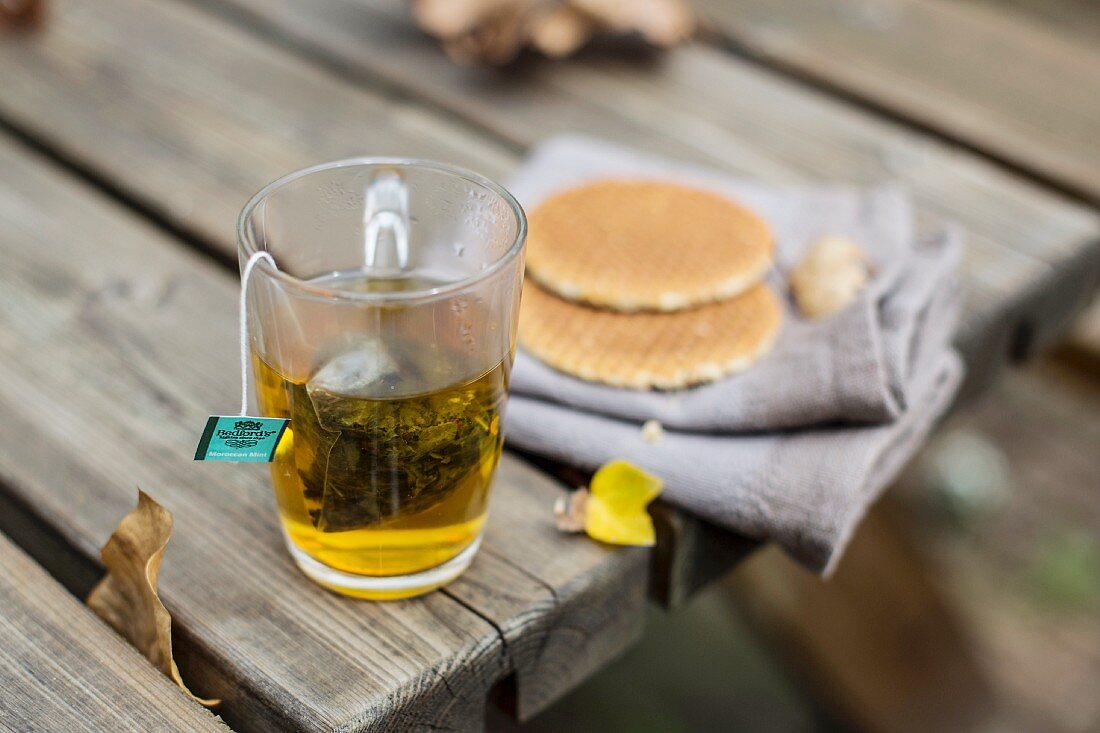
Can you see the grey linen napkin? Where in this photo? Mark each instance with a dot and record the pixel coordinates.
(846, 399)
(852, 367)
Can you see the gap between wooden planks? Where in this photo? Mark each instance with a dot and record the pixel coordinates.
(116, 342)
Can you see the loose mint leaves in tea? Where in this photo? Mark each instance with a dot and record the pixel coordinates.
(365, 459)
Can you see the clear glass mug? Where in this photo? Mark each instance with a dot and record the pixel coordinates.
(386, 333)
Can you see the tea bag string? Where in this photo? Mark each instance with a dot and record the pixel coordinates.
(246, 274)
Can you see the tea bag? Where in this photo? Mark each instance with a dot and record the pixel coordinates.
(367, 372)
(366, 453)
(240, 437)
(332, 419)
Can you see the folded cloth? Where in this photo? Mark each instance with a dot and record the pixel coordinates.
(853, 366)
(805, 490)
(846, 399)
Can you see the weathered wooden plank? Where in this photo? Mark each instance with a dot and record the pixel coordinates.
(1077, 18)
(65, 670)
(700, 104)
(564, 617)
(980, 74)
(690, 554)
(189, 117)
(116, 342)
(196, 130)
(207, 139)
(179, 144)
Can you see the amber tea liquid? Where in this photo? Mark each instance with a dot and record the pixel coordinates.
(378, 475)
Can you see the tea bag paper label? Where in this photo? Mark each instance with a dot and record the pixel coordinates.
(240, 439)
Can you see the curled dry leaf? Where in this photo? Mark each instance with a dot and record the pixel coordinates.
(613, 508)
(449, 19)
(494, 31)
(478, 30)
(561, 32)
(661, 22)
(830, 276)
(127, 597)
(570, 511)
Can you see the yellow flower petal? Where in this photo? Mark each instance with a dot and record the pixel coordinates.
(616, 508)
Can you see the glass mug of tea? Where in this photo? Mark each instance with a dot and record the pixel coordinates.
(385, 330)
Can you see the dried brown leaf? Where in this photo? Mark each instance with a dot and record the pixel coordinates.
(450, 19)
(22, 14)
(571, 511)
(561, 32)
(489, 31)
(495, 31)
(127, 597)
(661, 22)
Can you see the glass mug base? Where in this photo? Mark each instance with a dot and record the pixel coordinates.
(383, 587)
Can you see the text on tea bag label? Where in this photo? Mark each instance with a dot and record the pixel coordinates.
(242, 438)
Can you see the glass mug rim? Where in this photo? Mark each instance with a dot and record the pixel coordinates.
(304, 287)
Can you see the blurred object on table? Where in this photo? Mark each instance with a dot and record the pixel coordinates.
(22, 13)
(495, 31)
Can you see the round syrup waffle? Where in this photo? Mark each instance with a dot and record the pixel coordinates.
(648, 349)
(646, 245)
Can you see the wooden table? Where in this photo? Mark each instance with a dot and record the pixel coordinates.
(62, 669)
(130, 135)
